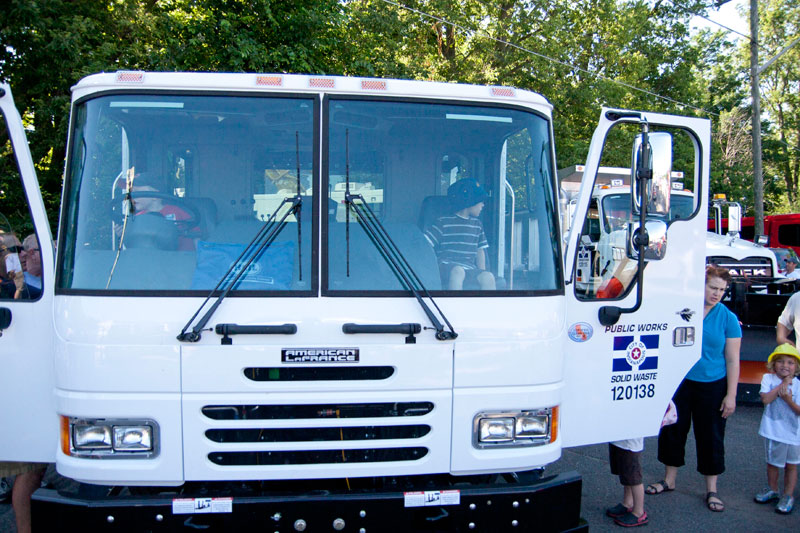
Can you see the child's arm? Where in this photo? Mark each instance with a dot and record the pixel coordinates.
(480, 260)
(786, 395)
(769, 397)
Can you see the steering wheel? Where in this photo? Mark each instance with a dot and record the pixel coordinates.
(185, 225)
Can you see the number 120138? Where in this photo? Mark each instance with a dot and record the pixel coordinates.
(633, 392)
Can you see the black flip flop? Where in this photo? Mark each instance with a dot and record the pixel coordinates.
(717, 507)
(652, 488)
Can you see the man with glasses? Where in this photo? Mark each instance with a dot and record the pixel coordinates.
(32, 267)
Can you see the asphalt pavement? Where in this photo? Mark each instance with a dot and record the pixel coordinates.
(684, 509)
(681, 510)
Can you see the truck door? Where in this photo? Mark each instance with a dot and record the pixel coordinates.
(632, 338)
(27, 414)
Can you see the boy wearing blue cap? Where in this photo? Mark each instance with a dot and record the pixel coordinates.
(459, 240)
(780, 425)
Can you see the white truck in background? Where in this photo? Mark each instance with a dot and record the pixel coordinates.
(197, 361)
(609, 214)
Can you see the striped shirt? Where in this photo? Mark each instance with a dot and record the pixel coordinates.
(457, 240)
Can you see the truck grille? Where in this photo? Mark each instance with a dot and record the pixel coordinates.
(747, 267)
(318, 433)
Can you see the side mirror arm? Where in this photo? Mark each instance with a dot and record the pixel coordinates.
(608, 315)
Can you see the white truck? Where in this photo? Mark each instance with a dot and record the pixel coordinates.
(605, 231)
(194, 362)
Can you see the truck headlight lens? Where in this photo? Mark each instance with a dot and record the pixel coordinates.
(92, 437)
(105, 438)
(133, 438)
(496, 429)
(531, 427)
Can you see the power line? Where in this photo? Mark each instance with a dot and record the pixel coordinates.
(731, 30)
(551, 59)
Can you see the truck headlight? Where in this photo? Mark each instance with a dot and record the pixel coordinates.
(106, 438)
(530, 427)
(500, 429)
(133, 438)
(85, 437)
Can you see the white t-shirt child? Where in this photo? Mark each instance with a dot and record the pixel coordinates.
(779, 422)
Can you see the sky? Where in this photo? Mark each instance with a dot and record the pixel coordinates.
(728, 16)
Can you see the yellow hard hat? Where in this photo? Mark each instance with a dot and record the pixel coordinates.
(784, 349)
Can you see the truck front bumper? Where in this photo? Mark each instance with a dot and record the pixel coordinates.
(549, 504)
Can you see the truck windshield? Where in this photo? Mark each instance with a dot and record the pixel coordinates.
(465, 193)
(164, 192)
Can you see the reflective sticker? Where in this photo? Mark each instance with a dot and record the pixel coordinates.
(202, 505)
(432, 497)
(580, 332)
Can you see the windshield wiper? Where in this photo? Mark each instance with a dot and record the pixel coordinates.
(391, 253)
(262, 240)
(265, 236)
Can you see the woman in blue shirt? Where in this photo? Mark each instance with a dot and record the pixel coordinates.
(706, 397)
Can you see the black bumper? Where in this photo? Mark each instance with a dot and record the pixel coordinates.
(549, 504)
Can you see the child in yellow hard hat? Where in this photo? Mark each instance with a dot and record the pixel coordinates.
(780, 425)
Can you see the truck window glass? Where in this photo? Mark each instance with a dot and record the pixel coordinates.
(20, 258)
(423, 169)
(164, 192)
(604, 267)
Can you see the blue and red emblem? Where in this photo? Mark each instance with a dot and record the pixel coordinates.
(632, 354)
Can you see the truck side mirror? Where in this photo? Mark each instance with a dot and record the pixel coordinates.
(656, 243)
(734, 218)
(651, 173)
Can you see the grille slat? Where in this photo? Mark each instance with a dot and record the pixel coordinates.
(278, 374)
(317, 434)
(317, 411)
(379, 455)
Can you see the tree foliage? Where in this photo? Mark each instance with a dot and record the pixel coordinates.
(580, 54)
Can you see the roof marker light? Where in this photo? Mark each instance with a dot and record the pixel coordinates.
(269, 81)
(130, 76)
(373, 85)
(504, 91)
(326, 83)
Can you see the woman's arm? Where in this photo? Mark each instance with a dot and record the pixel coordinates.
(732, 345)
(783, 335)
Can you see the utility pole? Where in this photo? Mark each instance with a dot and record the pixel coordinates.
(758, 177)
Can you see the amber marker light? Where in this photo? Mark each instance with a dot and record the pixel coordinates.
(554, 424)
(65, 438)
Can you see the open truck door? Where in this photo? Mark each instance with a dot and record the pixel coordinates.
(635, 331)
(30, 426)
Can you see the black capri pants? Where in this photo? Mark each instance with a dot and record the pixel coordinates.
(698, 404)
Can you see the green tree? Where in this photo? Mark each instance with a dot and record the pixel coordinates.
(48, 45)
